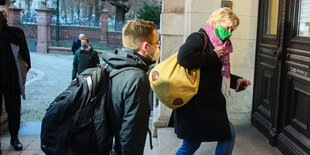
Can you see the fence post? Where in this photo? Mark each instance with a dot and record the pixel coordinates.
(44, 19)
(104, 26)
(14, 16)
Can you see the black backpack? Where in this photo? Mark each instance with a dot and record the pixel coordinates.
(76, 121)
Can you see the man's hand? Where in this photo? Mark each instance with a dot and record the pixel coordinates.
(242, 84)
(219, 50)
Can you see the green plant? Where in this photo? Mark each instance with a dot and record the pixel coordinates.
(150, 12)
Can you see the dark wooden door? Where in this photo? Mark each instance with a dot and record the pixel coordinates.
(281, 102)
(268, 66)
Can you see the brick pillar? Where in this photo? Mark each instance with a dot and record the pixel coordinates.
(44, 19)
(14, 16)
(104, 26)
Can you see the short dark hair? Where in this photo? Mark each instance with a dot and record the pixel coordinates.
(86, 39)
(2, 2)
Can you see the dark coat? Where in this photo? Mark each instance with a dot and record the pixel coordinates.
(204, 117)
(14, 59)
(84, 59)
(76, 45)
(130, 110)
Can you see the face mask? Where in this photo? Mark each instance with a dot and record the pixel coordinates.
(84, 46)
(222, 32)
(156, 55)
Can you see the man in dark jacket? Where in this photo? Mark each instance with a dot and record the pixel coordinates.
(129, 111)
(77, 43)
(14, 64)
(85, 57)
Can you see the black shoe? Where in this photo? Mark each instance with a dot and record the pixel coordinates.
(16, 143)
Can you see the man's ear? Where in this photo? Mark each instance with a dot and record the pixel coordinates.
(144, 46)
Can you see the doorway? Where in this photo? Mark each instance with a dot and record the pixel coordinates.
(281, 102)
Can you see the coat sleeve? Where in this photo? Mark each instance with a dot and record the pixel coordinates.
(74, 68)
(24, 51)
(136, 117)
(191, 56)
(233, 81)
(96, 58)
(73, 48)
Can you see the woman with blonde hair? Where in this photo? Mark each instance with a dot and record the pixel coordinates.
(204, 117)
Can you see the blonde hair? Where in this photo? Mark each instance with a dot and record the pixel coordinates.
(224, 14)
(136, 31)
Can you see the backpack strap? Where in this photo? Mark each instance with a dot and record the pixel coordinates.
(205, 41)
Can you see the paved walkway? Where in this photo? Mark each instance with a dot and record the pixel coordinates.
(51, 74)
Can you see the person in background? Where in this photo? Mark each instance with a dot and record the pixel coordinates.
(14, 65)
(85, 57)
(204, 117)
(77, 43)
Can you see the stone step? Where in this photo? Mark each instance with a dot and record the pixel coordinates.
(248, 141)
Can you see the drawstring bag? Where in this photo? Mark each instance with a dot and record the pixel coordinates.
(173, 84)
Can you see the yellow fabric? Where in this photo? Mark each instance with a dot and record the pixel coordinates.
(173, 83)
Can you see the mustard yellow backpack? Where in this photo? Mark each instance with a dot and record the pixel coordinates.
(173, 84)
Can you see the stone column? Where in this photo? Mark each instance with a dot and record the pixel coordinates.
(14, 16)
(172, 32)
(179, 18)
(44, 19)
(104, 26)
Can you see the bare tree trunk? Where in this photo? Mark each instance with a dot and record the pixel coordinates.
(97, 12)
(90, 12)
(101, 7)
(64, 10)
(28, 5)
(78, 9)
(72, 10)
(91, 6)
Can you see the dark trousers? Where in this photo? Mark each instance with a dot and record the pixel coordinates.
(12, 107)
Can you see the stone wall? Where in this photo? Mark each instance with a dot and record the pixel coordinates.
(243, 57)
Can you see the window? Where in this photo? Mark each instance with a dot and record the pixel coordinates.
(304, 19)
(273, 17)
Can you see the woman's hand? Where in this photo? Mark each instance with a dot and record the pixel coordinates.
(242, 84)
(219, 50)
